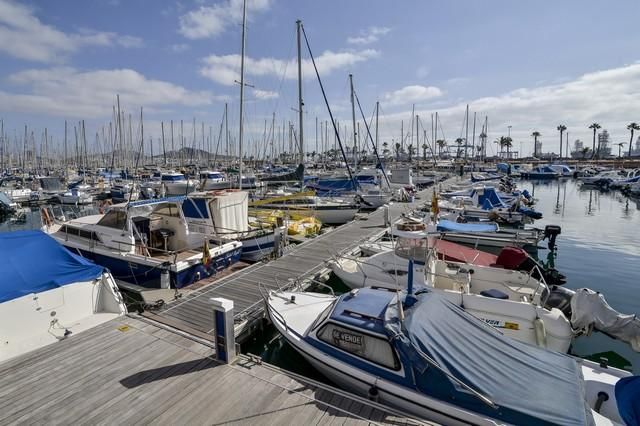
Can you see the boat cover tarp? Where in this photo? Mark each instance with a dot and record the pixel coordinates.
(450, 226)
(530, 385)
(628, 399)
(230, 213)
(511, 257)
(590, 310)
(489, 194)
(453, 252)
(33, 262)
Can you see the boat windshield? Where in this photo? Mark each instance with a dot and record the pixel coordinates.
(412, 248)
(323, 315)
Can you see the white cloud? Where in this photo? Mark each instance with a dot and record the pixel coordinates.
(265, 94)
(210, 21)
(608, 97)
(368, 36)
(412, 94)
(71, 93)
(225, 69)
(25, 37)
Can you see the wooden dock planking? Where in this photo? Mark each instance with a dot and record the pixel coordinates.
(151, 375)
(304, 261)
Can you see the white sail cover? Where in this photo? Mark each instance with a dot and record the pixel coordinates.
(230, 213)
(589, 310)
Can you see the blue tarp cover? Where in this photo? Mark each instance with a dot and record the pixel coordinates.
(530, 385)
(33, 262)
(449, 226)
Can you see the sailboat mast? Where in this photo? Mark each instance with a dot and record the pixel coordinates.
(240, 135)
(353, 121)
(377, 112)
(300, 103)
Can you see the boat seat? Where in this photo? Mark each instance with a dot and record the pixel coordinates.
(494, 293)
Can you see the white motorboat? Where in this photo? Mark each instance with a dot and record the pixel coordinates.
(73, 197)
(177, 184)
(602, 177)
(147, 243)
(60, 298)
(212, 180)
(18, 195)
(511, 300)
(431, 359)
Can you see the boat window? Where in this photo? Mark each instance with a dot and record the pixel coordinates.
(89, 235)
(371, 348)
(114, 219)
(167, 210)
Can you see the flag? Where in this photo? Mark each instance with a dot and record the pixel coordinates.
(206, 257)
(434, 205)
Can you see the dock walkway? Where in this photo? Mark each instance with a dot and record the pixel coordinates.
(306, 261)
(132, 371)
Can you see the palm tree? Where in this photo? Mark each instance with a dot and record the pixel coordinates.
(632, 127)
(410, 150)
(561, 128)
(483, 139)
(620, 149)
(424, 152)
(385, 151)
(459, 142)
(595, 127)
(441, 144)
(585, 151)
(397, 151)
(536, 134)
(508, 143)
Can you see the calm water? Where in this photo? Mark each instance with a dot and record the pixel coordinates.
(598, 249)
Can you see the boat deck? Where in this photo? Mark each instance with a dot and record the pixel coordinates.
(131, 371)
(306, 261)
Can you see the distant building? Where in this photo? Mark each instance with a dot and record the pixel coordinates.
(578, 146)
(538, 147)
(604, 150)
(636, 151)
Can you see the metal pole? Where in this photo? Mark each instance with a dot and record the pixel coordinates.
(240, 134)
(300, 103)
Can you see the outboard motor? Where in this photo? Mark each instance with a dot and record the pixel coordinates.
(551, 232)
(560, 298)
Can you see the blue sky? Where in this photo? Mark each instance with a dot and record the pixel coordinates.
(530, 65)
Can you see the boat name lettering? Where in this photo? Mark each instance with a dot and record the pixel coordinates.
(353, 339)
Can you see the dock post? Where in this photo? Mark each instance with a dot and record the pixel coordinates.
(386, 217)
(225, 340)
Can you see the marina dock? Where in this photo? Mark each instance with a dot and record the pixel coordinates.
(131, 371)
(303, 264)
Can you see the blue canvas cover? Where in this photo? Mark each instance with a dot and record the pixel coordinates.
(628, 399)
(490, 194)
(528, 384)
(33, 262)
(450, 226)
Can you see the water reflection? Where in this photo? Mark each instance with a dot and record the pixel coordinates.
(597, 248)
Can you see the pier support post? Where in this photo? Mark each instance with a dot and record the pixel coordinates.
(225, 339)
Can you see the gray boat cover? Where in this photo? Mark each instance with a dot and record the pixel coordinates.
(589, 310)
(530, 385)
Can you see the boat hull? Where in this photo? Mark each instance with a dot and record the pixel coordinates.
(146, 272)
